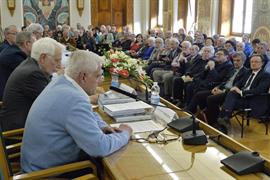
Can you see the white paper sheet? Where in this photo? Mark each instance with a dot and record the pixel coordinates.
(142, 126)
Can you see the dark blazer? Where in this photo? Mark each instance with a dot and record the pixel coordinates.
(10, 58)
(195, 69)
(211, 78)
(23, 86)
(260, 84)
(239, 76)
(4, 45)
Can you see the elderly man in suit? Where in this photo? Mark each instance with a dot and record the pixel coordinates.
(54, 138)
(199, 98)
(12, 56)
(256, 81)
(27, 81)
(215, 72)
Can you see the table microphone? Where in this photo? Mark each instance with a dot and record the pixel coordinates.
(133, 96)
(146, 88)
(193, 137)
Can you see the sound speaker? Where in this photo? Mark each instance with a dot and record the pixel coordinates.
(244, 162)
(183, 124)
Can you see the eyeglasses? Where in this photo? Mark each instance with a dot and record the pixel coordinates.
(157, 137)
(219, 54)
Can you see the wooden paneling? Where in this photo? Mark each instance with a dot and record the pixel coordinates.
(118, 12)
(129, 13)
(94, 12)
(112, 12)
(104, 12)
(153, 13)
(182, 12)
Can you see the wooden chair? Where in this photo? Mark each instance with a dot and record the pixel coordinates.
(7, 172)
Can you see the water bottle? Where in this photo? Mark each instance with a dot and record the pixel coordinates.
(155, 98)
(115, 82)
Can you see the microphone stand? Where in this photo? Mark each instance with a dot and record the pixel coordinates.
(193, 137)
(146, 88)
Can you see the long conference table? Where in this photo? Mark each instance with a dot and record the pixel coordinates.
(175, 160)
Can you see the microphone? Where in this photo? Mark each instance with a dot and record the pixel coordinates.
(124, 92)
(146, 88)
(187, 127)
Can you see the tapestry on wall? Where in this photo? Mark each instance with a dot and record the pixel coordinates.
(46, 12)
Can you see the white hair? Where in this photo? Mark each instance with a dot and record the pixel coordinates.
(187, 43)
(35, 27)
(83, 61)
(242, 43)
(211, 48)
(160, 40)
(175, 40)
(45, 46)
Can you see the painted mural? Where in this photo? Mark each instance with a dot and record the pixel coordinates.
(46, 12)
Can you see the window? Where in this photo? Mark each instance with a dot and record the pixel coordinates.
(191, 16)
(242, 16)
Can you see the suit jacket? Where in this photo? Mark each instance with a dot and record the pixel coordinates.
(211, 78)
(260, 84)
(23, 86)
(195, 69)
(10, 58)
(4, 45)
(239, 76)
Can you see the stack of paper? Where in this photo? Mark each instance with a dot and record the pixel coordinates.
(137, 117)
(127, 109)
(111, 97)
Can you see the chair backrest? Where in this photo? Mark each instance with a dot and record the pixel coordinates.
(4, 164)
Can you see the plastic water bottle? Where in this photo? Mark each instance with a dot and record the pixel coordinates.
(155, 98)
(115, 82)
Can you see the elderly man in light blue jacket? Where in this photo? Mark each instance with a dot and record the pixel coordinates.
(61, 121)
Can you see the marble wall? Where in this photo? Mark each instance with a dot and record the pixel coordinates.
(260, 20)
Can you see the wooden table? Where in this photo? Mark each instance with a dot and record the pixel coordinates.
(175, 160)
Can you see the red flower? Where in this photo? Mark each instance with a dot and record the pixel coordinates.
(124, 73)
(115, 60)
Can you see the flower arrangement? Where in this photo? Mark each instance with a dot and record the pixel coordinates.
(119, 63)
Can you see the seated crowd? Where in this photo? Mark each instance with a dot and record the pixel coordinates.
(209, 73)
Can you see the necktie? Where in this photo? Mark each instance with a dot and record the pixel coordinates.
(249, 81)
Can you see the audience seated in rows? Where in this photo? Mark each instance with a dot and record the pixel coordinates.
(212, 99)
(256, 81)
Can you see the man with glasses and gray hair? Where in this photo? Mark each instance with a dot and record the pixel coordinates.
(10, 33)
(79, 128)
(28, 80)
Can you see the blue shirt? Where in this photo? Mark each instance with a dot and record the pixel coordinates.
(60, 123)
